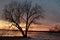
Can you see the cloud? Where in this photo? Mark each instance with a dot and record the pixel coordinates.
(51, 7)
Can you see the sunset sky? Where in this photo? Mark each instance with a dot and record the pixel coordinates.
(51, 7)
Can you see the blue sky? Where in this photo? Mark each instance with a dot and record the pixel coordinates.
(51, 7)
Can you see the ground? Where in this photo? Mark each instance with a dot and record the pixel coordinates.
(19, 38)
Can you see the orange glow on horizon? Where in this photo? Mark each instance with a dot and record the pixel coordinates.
(5, 25)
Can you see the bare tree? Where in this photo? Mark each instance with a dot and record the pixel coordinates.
(23, 12)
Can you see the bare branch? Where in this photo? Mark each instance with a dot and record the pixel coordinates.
(23, 12)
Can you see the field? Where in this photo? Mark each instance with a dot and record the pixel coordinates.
(33, 35)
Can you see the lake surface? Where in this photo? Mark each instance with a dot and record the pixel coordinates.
(44, 35)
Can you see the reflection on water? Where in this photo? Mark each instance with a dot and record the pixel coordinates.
(44, 35)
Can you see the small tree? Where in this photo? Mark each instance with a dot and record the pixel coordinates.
(57, 28)
(23, 12)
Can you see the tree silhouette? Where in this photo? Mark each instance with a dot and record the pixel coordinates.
(56, 27)
(23, 12)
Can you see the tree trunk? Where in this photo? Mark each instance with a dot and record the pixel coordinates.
(26, 32)
(20, 29)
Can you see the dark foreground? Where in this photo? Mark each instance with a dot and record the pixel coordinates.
(32, 35)
(18, 38)
(13, 38)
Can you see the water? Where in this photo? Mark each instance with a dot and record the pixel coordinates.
(43, 35)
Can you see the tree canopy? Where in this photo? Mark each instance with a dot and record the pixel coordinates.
(23, 12)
